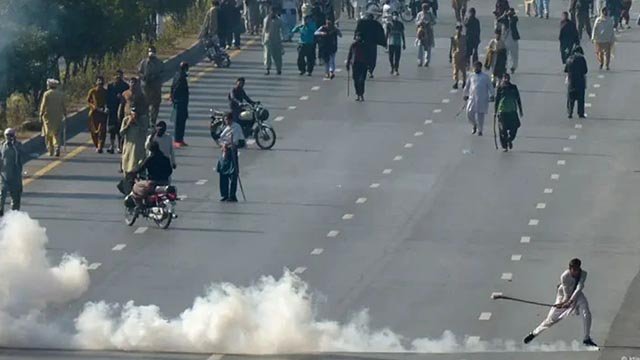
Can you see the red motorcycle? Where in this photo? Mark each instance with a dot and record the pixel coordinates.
(158, 205)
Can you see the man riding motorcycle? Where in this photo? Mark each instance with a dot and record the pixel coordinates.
(158, 169)
(237, 97)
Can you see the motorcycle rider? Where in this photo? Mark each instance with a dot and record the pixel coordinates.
(158, 169)
(237, 97)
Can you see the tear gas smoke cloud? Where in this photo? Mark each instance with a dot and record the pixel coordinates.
(271, 316)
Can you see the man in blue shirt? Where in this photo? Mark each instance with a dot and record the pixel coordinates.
(307, 45)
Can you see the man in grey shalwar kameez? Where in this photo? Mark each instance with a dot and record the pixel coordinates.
(478, 92)
(272, 41)
(11, 163)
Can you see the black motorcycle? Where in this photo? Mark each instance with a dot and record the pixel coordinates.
(253, 120)
(216, 54)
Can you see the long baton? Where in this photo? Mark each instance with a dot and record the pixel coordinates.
(64, 135)
(348, 80)
(504, 297)
(495, 140)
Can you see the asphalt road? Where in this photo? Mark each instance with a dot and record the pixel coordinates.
(442, 216)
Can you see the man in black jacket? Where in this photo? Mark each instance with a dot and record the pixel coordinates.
(472, 29)
(576, 69)
(583, 9)
(511, 36)
(568, 37)
(180, 99)
(507, 107)
(372, 35)
(237, 97)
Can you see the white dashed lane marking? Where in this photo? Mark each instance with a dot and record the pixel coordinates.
(534, 222)
(119, 247)
(418, 133)
(304, 98)
(333, 233)
(592, 95)
(587, 105)
(141, 230)
(315, 88)
(573, 137)
(292, 107)
(317, 251)
(387, 171)
(516, 257)
(374, 186)
(94, 266)
(596, 85)
(466, 151)
(182, 197)
(453, 91)
(428, 122)
(437, 111)
(566, 149)
(555, 176)
(408, 145)
(541, 205)
(525, 239)
(495, 294)
(201, 182)
(484, 316)
(299, 270)
(578, 126)
(561, 162)
(445, 101)
(601, 76)
(507, 276)
(347, 216)
(279, 118)
(548, 190)
(361, 200)
(397, 158)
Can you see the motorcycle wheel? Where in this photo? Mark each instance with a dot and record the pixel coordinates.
(130, 215)
(165, 221)
(216, 129)
(226, 62)
(265, 137)
(407, 15)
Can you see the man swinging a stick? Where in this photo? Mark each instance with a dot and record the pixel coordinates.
(569, 300)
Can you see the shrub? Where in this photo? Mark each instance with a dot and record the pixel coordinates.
(19, 109)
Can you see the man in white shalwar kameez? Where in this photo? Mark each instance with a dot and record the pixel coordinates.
(570, 300)
(478, 92)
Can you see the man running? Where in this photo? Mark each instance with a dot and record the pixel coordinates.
(569, 300)
(478, 91)
(507, 107)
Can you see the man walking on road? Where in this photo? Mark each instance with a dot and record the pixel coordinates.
(272, 41)
(603, 37)
(357, 61)
(507, 107)
(570, 300)
(115, 89)
(472, 31)
(151, 70)
(395, 42)
(209, 28)
(52, 114)
(97, 100)
(180, 99)
(425, 36)
(580, 12)
(306, 45)
(576, 69)
(568, 37)
(228, 166)
(372, 35)
(478, 92)
(511, 36)
(459, 9)
(458, 56)
(11, 163)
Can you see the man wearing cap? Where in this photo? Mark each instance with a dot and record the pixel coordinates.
(151, 70)
(11, 163)
(52, 114)
(180, 100)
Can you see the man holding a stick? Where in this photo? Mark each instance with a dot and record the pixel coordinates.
(569, 300)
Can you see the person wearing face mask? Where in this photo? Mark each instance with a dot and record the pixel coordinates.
(395, 42)
(507, 107)
(151, 70)
(478, 92)
(97, 100)
(180, 99)
(11, 163)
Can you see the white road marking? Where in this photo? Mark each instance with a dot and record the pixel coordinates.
(562, 162)
(592, 95)
(299, 270)
(428, 122)
(484, 316)
(182, 197)
(516, 257)
(119, 247)
(566, 149)
(94, 266)
(555, 176)
(201, 182)
(587, 105)
(374, 186)
(304, 98)
(408, 145)
(534, 222)
(317, 251)
(347, 216)
(418, 133)
(279, 118)
(387, 171)
(141, 230)
(466, 151)
(453, 91)
(315, 88)
(397, 158)
(541, 205)
(338, 70)
(578, 126)
(601, 76)
(292, 107)
(573, 137)
(494, 294)
(596, 85)
(333, 233)
(507, 276)
(525, 239)
(548, 190)
(361, 200)
(437, 111)
(445, 101)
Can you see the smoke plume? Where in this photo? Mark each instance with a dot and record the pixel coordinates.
(270, 316)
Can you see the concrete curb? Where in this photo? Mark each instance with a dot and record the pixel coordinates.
(77, 122)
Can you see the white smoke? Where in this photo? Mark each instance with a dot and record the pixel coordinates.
(271, 316)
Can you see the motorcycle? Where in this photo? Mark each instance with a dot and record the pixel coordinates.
(216, 54)
(158, 206)
(253, 120)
